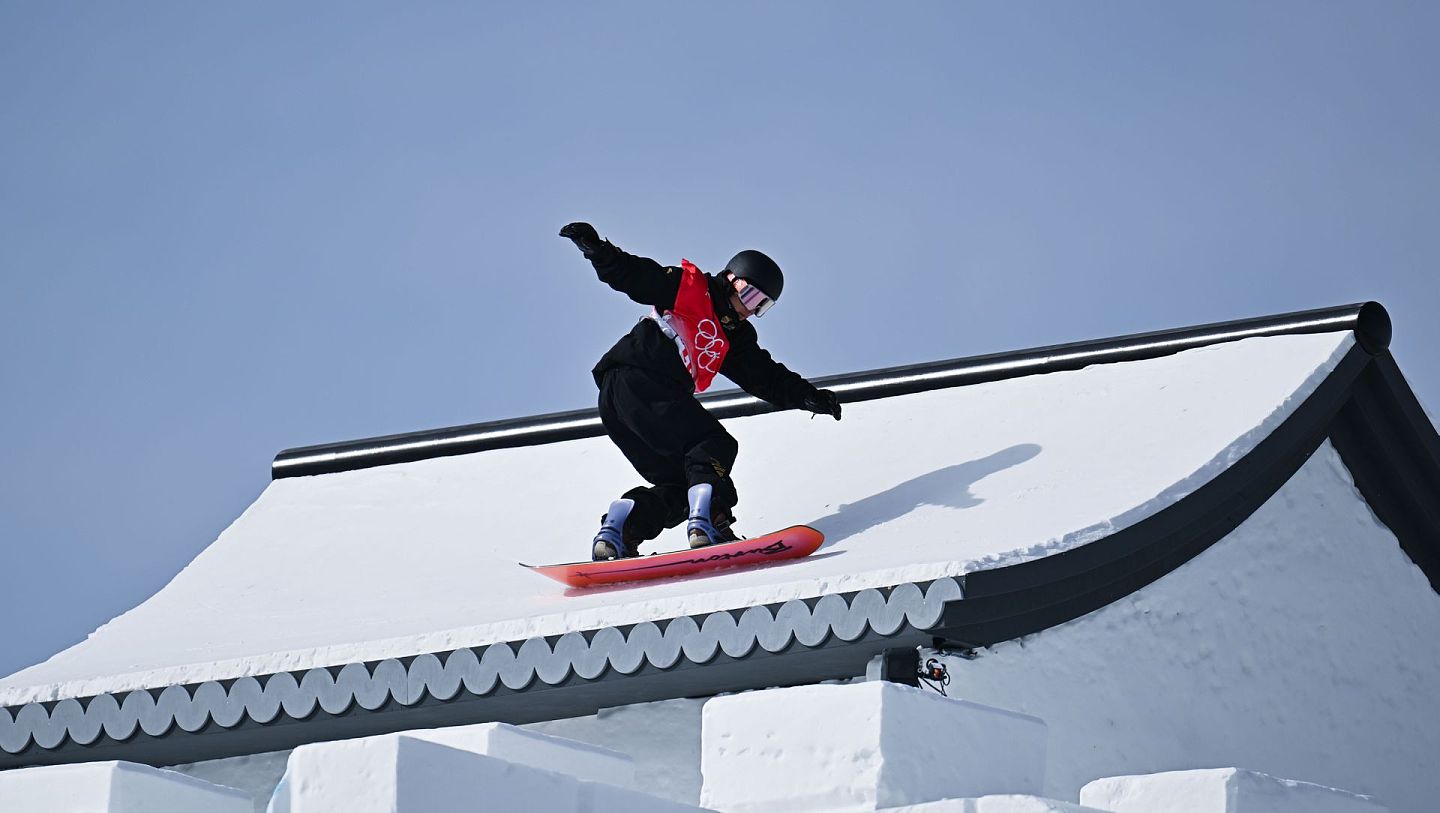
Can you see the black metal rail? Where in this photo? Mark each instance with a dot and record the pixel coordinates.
(1368, 320)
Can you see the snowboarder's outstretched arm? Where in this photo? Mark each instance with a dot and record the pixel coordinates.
(758, 373)
(640, 278)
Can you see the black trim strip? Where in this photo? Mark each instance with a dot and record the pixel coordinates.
(1393, 452)
(546, 678)
(1368, 320)
(1023, 599)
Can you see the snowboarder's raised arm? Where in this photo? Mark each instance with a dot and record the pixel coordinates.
(640, 278)
(758, 373)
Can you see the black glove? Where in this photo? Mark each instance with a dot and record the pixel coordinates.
(585, 238)
(823, 402)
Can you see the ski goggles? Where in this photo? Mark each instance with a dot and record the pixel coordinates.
(755, 300)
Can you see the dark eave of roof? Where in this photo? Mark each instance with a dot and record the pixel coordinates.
(1368, 320)
(1364, 406)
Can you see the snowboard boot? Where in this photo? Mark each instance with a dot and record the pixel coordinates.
(611, 541)
(704, 527)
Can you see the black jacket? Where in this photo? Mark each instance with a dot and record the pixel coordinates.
(645, 346)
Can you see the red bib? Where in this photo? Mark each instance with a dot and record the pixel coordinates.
(694, 328)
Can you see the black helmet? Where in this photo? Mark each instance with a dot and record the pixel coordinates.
(758, 270)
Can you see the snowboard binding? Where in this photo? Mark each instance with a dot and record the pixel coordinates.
(610, 541)
(704, 528)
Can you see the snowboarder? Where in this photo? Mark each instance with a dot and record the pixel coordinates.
(697, 328)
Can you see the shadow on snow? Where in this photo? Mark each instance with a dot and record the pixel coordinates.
(949, 487)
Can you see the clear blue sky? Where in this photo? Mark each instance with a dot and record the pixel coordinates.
(227, 229)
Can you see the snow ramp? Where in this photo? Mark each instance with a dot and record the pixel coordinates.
(967, 503)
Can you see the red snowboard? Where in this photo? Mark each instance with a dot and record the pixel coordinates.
(791, 543)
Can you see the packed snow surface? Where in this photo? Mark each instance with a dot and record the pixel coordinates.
(421, 557)
(996, 804)
(866, 746)
(113, 787)
(1220, 790)
(411, 772)
(663, 737)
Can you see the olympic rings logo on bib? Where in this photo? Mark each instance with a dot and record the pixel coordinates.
(694, 328)
(707, 338)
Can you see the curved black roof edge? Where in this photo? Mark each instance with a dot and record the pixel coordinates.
(1369, 321)
(1393, 452)
(1364, 406)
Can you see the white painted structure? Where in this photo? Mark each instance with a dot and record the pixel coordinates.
(1300, 644)
(906, 489)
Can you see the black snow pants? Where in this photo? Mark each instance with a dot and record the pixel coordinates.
(672, 442)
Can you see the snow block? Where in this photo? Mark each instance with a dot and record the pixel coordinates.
(663, 738)
(590, 763)
(996, 804)
(400, 773)
(864, 746)
(1221, 790)
(255, 775)
(114, 787)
